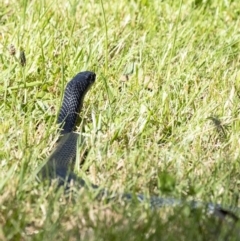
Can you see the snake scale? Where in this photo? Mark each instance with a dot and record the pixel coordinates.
(61, 162)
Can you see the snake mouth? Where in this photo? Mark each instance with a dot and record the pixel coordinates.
(93, 77)
(90, 76)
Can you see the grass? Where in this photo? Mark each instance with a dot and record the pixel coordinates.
(162, 117)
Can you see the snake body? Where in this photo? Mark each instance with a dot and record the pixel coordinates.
(61, 162)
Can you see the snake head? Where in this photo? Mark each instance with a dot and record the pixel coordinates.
(80, 84)
(73, 99)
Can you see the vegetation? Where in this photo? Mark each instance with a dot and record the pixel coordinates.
(161, 119)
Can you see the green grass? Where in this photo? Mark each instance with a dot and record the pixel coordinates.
(170, 129)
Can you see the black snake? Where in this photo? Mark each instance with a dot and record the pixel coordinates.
(61, 162)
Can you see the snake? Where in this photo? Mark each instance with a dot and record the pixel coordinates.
(60, 164)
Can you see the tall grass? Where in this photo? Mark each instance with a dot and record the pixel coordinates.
(162, 117)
